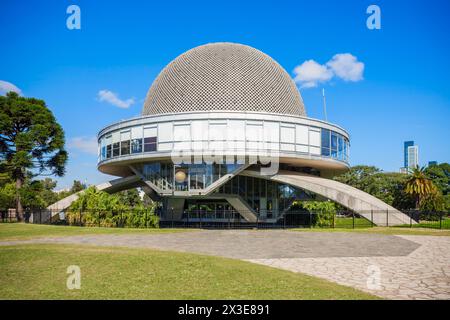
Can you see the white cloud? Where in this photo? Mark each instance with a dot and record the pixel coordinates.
(113, 98)
(6, 87)
(84, 144)
(343, 65)
(347, 67)
(310, 73)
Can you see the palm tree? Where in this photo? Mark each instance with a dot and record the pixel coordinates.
(419, 185)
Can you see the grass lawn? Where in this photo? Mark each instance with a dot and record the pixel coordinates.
(348, 222)
(39, 272)
(23, 231)
(444, 224)
(383, 230)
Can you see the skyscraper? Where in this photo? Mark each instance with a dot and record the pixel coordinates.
(407, 144)
(413, 157)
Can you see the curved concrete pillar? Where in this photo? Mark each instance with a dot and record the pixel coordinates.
(368, 206)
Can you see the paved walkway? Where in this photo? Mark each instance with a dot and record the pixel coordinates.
(422, 274)
(394, 267)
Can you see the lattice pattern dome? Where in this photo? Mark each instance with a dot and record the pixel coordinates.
(223, 77)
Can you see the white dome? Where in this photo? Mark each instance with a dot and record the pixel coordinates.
(223, 77)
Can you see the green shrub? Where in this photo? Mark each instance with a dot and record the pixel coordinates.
(97, 208)
(325, 212)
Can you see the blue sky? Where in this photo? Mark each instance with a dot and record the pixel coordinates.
(122, 45)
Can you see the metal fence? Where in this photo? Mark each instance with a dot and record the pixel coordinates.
(137, 218)
(230, 219)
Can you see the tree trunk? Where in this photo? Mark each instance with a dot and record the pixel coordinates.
(418, 203)
(19, 207)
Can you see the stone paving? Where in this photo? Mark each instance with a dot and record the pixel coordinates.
(393, 267)
(422, 274)
(252, 244)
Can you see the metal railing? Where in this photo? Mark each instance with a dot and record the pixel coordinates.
(134, 218)
(230, 219)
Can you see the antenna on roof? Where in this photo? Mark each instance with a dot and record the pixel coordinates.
(324, 104)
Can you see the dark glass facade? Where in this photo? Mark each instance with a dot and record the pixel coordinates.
(185, 177)
(265, 198)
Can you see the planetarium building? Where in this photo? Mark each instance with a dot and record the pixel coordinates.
(224, 131)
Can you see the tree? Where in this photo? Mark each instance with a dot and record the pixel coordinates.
(440, 174)
(391, 187)
(325, 211)
(433, 202)
(31, 141)
(98, 208)
(386, 186)
(31, 194)
(7, 196)
(77, 186)
(46, 191)
(130, 198)
(360, 177)
(419, 185)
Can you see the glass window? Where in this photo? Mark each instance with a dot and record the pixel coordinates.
(223, 170)
(250, 190)
(325, 138)
(325, 152)
(116, 149)
(103, 152)
(136, 145)
(334, 147)
(340, 148)
(125, 147)
(160, 174)
(263, 188)
(167, 175)
(216, 171)
(208, 175)
(242, 189)
(346, 149)
(107, 144)
(150, 169)
(325, 142)
(125, 137)
(197, 176)
(333, 141)
(149, 144)
(334, 153)
(235, 182)
(227, 187)
(232, 167)
(115, 139)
